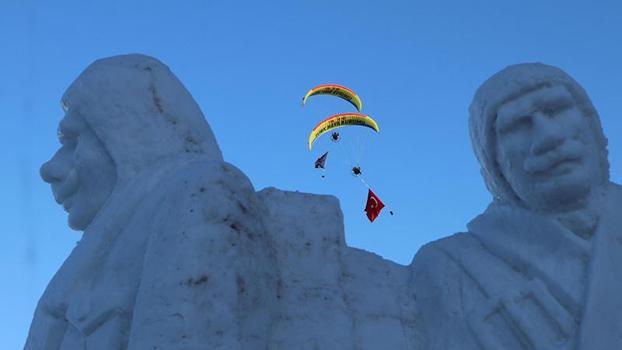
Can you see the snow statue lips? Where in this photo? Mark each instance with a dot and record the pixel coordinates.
(546, 149)
(81, 172)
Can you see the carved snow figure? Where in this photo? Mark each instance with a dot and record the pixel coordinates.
(165, 259)
(179, 252)
(541, 268)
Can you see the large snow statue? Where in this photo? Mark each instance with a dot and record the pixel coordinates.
(180, 252)
(541, 268)
(165, 260)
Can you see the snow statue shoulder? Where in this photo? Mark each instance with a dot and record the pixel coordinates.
(165, 221)
(541, 268)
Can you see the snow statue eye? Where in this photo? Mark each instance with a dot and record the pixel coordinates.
(67, 138)
(549, 111)
(516, 124)
(64, 106)
(524, 121)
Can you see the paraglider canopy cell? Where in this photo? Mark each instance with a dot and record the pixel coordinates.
(335, 90)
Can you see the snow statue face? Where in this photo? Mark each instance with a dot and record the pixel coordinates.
(81, 172)
(545, 148)
(126, 116)
(537, 137)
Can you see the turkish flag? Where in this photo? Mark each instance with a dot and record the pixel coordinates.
(374, 206)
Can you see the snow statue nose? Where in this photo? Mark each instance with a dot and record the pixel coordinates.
(547, 135)
(52, 171)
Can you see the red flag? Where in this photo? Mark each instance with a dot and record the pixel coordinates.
(320, 162)
(374, 206)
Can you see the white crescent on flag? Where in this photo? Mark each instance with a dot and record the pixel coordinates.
(374, 206)
(373, 203)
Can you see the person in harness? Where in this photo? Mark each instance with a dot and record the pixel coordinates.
(335, 136)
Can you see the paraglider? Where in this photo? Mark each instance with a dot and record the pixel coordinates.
(374, 205)
(341, 120)
(335, 90)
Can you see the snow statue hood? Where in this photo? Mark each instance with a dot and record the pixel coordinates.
(507, 84)
(177, 215)
(141, 112)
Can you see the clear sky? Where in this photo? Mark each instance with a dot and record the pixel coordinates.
(415, 64)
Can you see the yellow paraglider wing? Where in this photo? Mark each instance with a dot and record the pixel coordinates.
(335, 90)
(339, 120)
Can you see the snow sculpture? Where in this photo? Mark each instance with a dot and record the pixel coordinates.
(180, 252)
(172, 236)
(328, 295)
(541, 268)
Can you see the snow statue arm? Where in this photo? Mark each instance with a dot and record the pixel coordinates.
(205, 277)
(436, 283)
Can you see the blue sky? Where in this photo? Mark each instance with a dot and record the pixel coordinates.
(415, 64)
